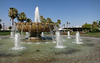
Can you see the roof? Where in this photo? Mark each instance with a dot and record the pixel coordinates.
(61, 29)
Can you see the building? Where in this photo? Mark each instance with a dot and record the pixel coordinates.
(73, 29)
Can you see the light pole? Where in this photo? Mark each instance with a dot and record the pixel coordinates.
(3, 26)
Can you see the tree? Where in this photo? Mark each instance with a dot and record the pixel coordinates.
(13, 13)
(28, 20)
(0, 21)
(68, 24)
(57, 25)
(59, 21)
(21, 17)
(42, 19)
(94, 23)
(49, 20)
(0, 26)
(87, 27)
(99, 26)
(99, 22)
(10, 27)
(94, 26)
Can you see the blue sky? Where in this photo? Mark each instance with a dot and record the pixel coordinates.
(77, 12)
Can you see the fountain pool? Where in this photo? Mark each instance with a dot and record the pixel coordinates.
(46, 52)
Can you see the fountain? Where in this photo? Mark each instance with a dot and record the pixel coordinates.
(55, 29)
(27, 35)
(17, 43)
(37, 16)
(68, 35)
(36, 27)
(42, 34)
(78, 39)
(58, 40)
(12, 32)
(22, 31)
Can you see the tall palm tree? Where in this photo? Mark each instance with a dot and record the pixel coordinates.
(22, 17)
(42, 19)
(68, 24)
(0, 21)
(0, 26)
(59, 21)
(49, 20)
(13, 12)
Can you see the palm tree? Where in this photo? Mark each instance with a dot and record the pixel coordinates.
(49, 20)
(13, 12)
(68, 24)
(21, 17)
(0, 21)
(59, 21)
(42, 19)
(57, 24)
(0, 26)
(10, 27)
(28, 20)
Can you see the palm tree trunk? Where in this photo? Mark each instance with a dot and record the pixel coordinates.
(67, 26)
(12, 22)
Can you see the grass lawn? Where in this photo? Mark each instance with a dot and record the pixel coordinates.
(88, 34)
(92, 34)
(97, 34)
(73, 33)
(4, 33)
(8, 33)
